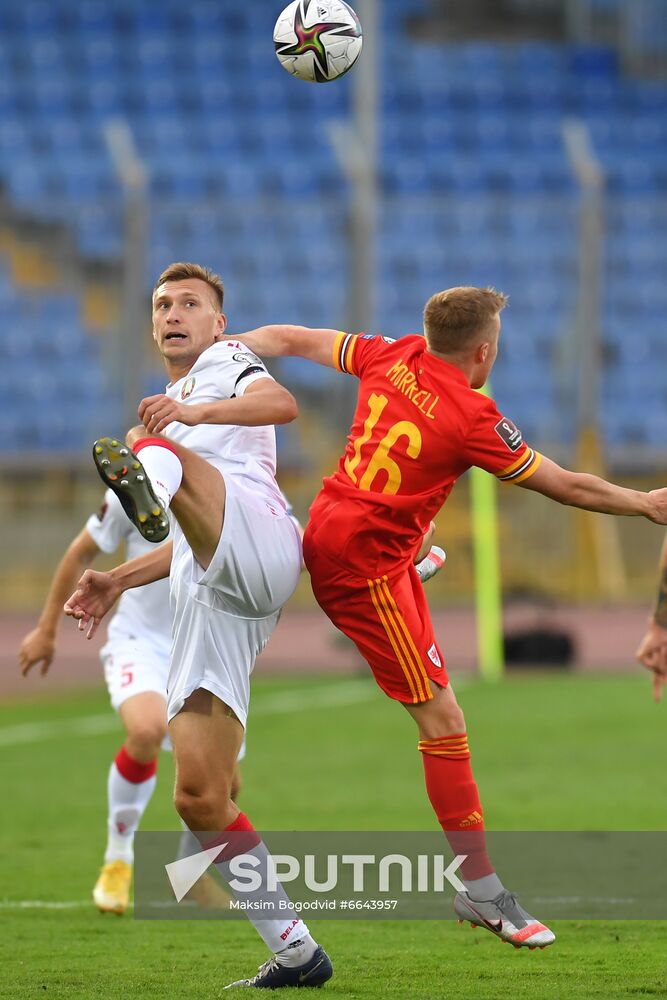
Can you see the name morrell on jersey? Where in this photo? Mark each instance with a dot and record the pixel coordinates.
(400, 375)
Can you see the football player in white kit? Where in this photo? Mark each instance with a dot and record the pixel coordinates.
(136, 666)
(236, 560)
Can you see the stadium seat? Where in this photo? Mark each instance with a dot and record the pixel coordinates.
(475, 182)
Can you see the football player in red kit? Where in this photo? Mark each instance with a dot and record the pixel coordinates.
(419, 425)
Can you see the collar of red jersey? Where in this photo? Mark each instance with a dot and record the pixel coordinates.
(451, 370)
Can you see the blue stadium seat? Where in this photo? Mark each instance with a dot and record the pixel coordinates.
(104, 97)
(631, 175)
(93, 18)
(459, 175)
(37, 18)
(535, 59)
(405, 176)
(590, 61)
(645, 97)
(476, 185)
(99, 229)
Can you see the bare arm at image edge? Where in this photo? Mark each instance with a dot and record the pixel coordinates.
(580, 489)
(652, 650)
(39, 645)
(592, 493)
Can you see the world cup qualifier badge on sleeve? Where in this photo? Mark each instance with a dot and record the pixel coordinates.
(509, 433)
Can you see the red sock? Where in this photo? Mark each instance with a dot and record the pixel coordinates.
(244, 838)
(453, 793)
(133, 770)
(158, 442)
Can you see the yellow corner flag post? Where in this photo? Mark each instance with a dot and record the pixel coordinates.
(488, 591)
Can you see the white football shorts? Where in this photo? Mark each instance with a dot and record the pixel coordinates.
(133, 666)
(224, 615)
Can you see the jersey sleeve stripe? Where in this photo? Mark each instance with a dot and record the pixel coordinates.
(252, 370)
(340, 346)
(530, 463)
(343, 352)
(348, 354)
(336, 350)
(533, 467)
(515, 464)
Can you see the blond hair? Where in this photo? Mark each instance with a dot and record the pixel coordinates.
(456, 318)
(181, 271)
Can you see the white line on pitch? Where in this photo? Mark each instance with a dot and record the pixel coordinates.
(44, 904)
(332, 696)
(36, 732)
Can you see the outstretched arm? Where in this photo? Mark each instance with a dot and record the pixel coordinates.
(96, 593)
(579, 489)
(652, 651)
(281, 341)
(39, 645)
(263, 403)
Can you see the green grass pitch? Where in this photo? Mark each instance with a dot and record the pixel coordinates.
(549, 753)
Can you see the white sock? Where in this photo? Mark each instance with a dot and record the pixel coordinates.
(298, 953)
(277, 933)
(127, 803)
(188, 844)
(163, 468)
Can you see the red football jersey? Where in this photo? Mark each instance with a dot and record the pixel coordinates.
(418, 426)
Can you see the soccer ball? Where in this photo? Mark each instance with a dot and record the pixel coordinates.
(317, 40)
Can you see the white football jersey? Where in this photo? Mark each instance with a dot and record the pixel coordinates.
(142, 612)
(224, 371)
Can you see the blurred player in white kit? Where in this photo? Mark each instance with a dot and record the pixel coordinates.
(136, 666)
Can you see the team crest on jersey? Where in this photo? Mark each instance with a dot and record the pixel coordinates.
(247, 358)
(434, 656)
(509, 433)
(188, 387)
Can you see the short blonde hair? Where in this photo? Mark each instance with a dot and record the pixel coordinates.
(455, 318)
(181, 271)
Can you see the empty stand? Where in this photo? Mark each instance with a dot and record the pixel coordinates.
(476, 189)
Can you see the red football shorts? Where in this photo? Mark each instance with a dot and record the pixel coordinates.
(387, 619)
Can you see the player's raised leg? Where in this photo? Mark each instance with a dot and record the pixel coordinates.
(151, 474)
(206, 735)
(131, 783)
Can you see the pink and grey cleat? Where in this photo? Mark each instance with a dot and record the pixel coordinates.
(505, 918)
